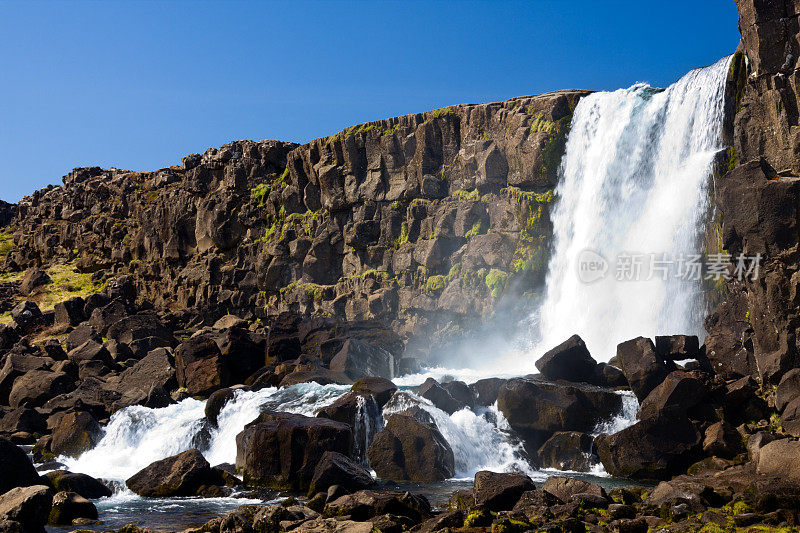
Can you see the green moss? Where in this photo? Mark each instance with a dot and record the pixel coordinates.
(496, 282)
(403, 238)
(283, 180)
(6, 244)
(732, 158)
(540, 123)
(477, 229)
(477, 518)
(436, 113)
(738, 77)
(416, 202)
(464, 195)
(397, 205)
(260, 193)
(379, 275)
(434, 284)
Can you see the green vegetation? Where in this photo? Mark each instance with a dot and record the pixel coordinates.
(732, 158)
(397, 205)
(477, 229)
(6, 243)
(540, 123)
(403, 238)
(738, 75)
(434, 284)
(260, 193)
(436, 113)
(496, 281)
(463, 195)
(420, 201)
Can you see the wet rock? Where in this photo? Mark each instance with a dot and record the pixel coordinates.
(361, 413)
(321, 376)
(438, 395)
(76, 433)
(499, 492)
(678, 347)
(379, 388)
(180, 475)
(69, 506)
(567, 450)
(30, 506)
(216, 402)
(281, 450)
(86, 486)
(537, 409)
(643, 367)
(569, 361)
(609, 376)
(336, 469)
(486, 390)
(358, 359)
(200, 367)
(650, 449)
(407, 449)
(16, 470)
(460, 392)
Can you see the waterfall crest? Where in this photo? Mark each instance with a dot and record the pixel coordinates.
(633, 182)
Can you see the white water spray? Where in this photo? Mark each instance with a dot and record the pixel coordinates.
(634, 180)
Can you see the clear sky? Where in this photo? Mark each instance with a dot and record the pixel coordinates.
(137, 85)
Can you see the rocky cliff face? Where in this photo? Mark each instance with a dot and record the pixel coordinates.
(755, 330)
(425, 221)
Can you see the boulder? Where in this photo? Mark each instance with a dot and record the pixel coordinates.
(321, 376)
(86, 486)
(780, 458)
(678, 393)
(230, 321)
(153, 370)
(69, 506)
(643, 367)
(678, 347)
(8, 337)
(431, 390)
(35, 387)
(569, 361)
(77, 432)
(567, 450)
(361, 413)
(122, 287)
(500, 492)
(180, 475)
(379, 388)
(90, 351)
(788, 389)
(23, 419)
(535, 503)
(460, 392)
(33, 279)
(358, 359)
(216, 402)
(102, 318)
(609, 376)
(722, 440)
(408, 449)
(336, 469)
(650, 449)
(80, 335)
(70, 312)
(243, 352)
(16, 470)
(200, 366)
(26, 315)
(281, 450)
(139, 327)
(486, 390)
(565, 488)
(365, 504)
(30, 506)
(537, 409)
(790, 418)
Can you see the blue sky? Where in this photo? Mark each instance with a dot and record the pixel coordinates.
(137, 85)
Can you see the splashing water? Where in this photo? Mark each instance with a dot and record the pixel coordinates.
(634, 180)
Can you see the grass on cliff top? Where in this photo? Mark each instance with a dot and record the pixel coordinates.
(65, 283)
(6, 244)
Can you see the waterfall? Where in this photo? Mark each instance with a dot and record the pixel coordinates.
(633, 188)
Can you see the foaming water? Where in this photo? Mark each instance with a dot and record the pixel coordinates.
(634, 180)
(137, 436)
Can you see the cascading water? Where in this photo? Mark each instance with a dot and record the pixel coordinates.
(634, 181)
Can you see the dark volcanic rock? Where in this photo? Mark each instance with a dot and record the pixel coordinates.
(70, 312)
(361, 413)
(673, 397)
(537, 409)
(16, 470)
(379, 388)
(336, 469)
(678, 347)
(366, 504)
(408, 449)
(216, 402)
(500, 492)
(486, 390)
(642, 366)
(439, 396)
(180, 475)
(30, 506)
(86, 486)
(281, 450)
(358, 359)
(567, 450)
(35, 387)
(565, 488)
(68, 506)
(200, 366)
(650, 449)
(569, 361)
(76, 433)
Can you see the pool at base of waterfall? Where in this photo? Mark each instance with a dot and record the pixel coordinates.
(137, 436)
